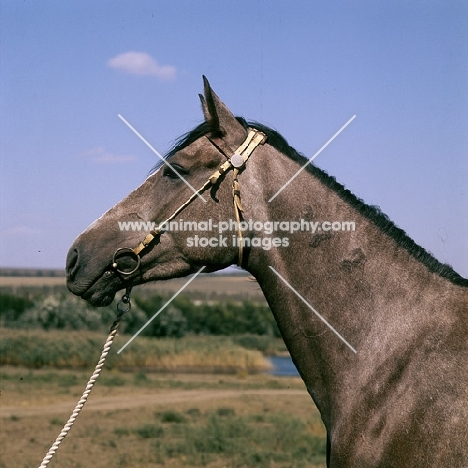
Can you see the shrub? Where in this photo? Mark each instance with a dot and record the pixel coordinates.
(63, 311)
(224, 412)
(149, 431)
(172, 417)
(12, 307)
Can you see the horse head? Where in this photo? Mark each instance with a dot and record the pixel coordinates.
(110, 254)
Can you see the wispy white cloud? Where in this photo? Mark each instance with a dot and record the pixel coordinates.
(99, 154)
(22, 231)
(141, 63)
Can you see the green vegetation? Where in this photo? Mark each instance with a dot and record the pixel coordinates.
(63, 311)
(219, 318)
(13, 306)
(58, 330)
(256, 439)
(171, 416)
(63, 349)
(52, 311)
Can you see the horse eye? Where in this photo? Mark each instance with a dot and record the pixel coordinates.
(170, 171)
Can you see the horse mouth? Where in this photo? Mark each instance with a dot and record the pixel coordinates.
(99, 297)
(101, 291)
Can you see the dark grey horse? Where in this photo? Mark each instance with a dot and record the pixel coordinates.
(376, 326)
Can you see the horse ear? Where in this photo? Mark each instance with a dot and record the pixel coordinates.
(220, 117)
(206, 112)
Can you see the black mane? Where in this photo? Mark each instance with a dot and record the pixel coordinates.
(184, 141)
(371, 212)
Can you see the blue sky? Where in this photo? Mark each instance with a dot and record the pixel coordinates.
(69, 68)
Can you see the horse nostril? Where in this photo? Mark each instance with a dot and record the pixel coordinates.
(72, 263)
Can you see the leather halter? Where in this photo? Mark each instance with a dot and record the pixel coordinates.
(236, 162)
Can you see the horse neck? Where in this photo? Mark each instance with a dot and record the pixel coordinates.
(352, 279)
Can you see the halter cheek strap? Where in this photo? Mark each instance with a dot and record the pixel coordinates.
(236, 162)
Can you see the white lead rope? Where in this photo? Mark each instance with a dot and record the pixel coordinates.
(89, 387)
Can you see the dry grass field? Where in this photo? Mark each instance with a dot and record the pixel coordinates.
(159, 420)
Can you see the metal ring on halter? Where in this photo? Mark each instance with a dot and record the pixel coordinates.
(125, 301)
(124, 305)
(129, 251)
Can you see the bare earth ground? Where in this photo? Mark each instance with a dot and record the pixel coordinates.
(119, 424)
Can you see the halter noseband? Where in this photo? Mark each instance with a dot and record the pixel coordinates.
(236, 162)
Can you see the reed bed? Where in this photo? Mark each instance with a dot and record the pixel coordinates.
(79, 350)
